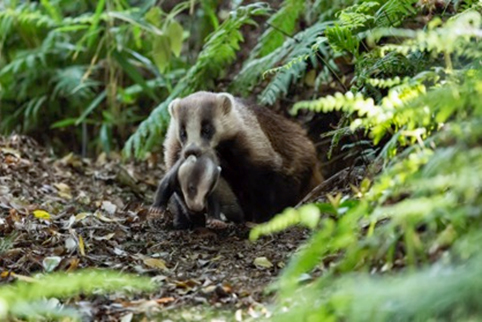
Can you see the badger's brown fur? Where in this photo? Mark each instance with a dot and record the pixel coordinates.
(267, 160)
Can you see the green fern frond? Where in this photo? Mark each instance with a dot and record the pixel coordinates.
(455, 37)
(359, 15)
(393, 12)
(386, 83)
(282, 23)
(341, 39)
(26, 18)
(218, 51)
(59, 285)
(305, 46)
(308, 215)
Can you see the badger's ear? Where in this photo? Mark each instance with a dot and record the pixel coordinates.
(217, 174)
(226, 101)
(173, 107)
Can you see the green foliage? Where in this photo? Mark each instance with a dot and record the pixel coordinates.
(307, 215)
(72, 65)
(426, 198)
(403, 247)
(28, 299)
(282, 24)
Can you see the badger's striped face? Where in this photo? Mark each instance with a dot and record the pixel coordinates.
(202, 120)
(198, 177)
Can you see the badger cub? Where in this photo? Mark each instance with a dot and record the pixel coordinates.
(197, 188)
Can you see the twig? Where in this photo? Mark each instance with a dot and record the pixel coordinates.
(323, 185)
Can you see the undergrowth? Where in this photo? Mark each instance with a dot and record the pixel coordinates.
(401, 247)
(406, 73)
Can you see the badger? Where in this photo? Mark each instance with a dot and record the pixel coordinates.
(196, 188)
(267, 160)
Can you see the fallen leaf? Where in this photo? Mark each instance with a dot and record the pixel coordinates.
(81, 246)
(41, 214)
(50, 263)
(70, 243)
(105, 237)
(127, 318)
(4, 190)
(10, 151)
(73, 264)
(188, 284)
(155, 263)
(82, 215)
(164, 300)
(22, 277)
(99, 215)
(109, 207)
(62, 187)
(262, 262)
(5, 274)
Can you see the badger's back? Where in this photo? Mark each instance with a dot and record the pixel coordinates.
(267, 185)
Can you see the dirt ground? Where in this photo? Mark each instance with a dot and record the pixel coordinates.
(96, 215)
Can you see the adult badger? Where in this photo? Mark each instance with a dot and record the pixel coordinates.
(267, 159)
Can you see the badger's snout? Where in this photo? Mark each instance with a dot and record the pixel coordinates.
(195, 205)
(192, 149)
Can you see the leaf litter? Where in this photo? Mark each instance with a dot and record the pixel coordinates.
(69, 213)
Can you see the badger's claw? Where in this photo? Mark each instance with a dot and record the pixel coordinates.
(216, 224)
(156, 210)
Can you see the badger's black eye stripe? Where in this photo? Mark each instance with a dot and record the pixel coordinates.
(207, 130)
(182, 133)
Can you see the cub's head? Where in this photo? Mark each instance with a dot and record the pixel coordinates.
(202, 120)
(198, 176)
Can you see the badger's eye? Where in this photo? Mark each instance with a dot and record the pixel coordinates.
(183, 134)
(192, 189)
(207, 130)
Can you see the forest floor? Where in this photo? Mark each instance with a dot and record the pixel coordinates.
(94, 213)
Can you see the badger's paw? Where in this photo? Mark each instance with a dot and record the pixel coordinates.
(216, 224)
(156, 210)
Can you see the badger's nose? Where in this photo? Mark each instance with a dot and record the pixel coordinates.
(195, 206)
(192, 149)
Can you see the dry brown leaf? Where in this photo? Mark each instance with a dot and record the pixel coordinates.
(155, 263)
(73, 264)
(164, 300)
(10, 151)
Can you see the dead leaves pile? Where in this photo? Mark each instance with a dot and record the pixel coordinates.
(71, 213)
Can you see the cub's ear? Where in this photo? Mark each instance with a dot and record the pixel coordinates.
(226, 102)
(217, 174)
(173, 107)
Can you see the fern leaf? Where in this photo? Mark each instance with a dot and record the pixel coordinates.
(282, 23)
(307, 215)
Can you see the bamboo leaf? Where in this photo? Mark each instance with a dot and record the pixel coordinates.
(161, 52)
(133, 74)
(175, 33)
(93, 105)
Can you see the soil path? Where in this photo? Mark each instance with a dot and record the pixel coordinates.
(98, 218)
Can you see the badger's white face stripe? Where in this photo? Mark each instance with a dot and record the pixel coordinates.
(192, 110)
